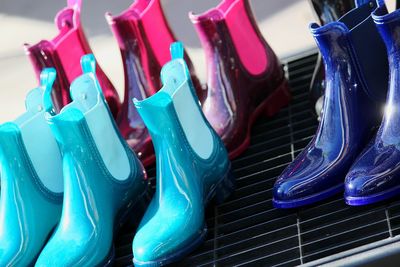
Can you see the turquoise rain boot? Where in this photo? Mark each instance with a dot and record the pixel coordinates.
(103, 179)
(192, 168)
(31, 181)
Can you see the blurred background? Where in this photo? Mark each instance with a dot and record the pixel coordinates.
(284, 24)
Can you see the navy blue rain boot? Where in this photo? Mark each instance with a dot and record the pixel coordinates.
(355, 89)
(375, 175)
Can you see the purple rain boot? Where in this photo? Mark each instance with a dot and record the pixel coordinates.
(242, 83)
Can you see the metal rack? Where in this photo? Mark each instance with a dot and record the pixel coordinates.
(248, 230)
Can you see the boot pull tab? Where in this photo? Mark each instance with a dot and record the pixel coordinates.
(47, 78)
(176, 50)
(88, 63)
(75, 4)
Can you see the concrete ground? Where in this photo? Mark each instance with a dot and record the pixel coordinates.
(284, 24)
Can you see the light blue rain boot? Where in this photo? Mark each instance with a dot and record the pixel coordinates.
(103, 179)
(31, 181)
(192, 168)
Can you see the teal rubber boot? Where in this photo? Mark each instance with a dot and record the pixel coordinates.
(31, 181)
(192, 168)
(103, 178)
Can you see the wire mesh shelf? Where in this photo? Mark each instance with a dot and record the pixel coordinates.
(248, 230)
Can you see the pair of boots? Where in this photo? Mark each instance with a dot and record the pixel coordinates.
(342, 155)
(242, 83)
(72, 172)
(69, 172)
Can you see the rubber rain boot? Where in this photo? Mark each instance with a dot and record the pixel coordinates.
(192, 168)
(144, 37)
(103, 179)
(64, 53)
(375, 175)
(356, 83)
(31, 181)
(242, 83)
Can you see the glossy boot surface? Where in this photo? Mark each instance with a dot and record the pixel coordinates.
(326, 11)
(64, 52)
(375, 175)
(192, 168)
(355, 86)
(103, 179)
(242, 83)
(31, 184)
(144, 37)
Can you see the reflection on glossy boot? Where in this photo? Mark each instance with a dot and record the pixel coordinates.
(144, 37)
(192, 168)
(64, 52)
(103, 179)
(327, 11)
(242, 83)
(375, 175)
(355, 89)
(31, 181)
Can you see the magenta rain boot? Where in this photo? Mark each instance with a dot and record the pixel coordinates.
(64, 53)
(245, 78)
(144, 37)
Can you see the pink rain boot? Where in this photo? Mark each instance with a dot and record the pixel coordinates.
(144, 37)
(244, 77)
(64, 53)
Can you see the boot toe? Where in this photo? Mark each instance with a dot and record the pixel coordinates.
(164, 237)
(290, 194)
(365, 188)
(356, 185)
(294, 189)
(374, 176)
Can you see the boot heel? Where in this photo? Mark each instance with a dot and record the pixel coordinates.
(225, 188)
(277, 100)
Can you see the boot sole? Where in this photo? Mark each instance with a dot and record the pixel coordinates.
(295, 203)
(272, 105)
(360, 201)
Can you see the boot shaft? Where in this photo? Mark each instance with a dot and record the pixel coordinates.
(26, 146)
(86, 132)
(144, 36)
(236, 74)
(389, 26)
(175, 112)
(181, 135)
(141, 54)
(145, 22)
(352, 99)
(227, 38)
(344, 41)
(64, 53)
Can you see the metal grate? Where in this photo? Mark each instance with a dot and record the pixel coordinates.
(248, 230)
